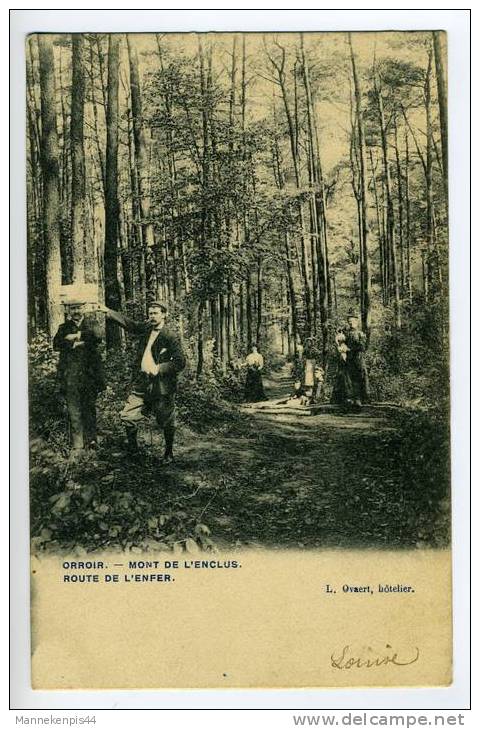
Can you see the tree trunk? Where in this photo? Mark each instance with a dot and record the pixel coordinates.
(292, 134)
(77, 219)
(318, 230)
(222, 340)
(380, 233)
(232, 221)
(241, 317)
(390, 215)
(36, 258)
(364, 257)
(442, 104)
(425, 277)
(51, 184)
(291, 294)
(249, 312)
(400, 210)
(429, 173)
(259, 300)
(291, 291)
(65, 179)
(141, 163)
(408, 230)
(200, 310)
(98, 147)
(112, 290)
(334, 292)
(172, 168)
(230, 323)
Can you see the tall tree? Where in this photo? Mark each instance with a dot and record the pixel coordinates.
(112, 289)
(390, 215)
(433, 263)
(37, 288)
(246, 233)
(363, 227)
(442, 103)
(279, 65)
(205, 228)
(408, 231)
(51, 184)
(401, 231)
(142, 167)
(280, 181)
(429, 172)
(77, 151)
(317, 201)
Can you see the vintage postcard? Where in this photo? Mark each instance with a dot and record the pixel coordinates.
(238, 324)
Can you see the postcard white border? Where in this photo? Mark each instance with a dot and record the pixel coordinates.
(457, 24)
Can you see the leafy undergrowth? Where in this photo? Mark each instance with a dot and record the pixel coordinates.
(292, 485)
(105, 500)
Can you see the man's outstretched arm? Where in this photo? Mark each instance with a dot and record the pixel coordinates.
(132, 326)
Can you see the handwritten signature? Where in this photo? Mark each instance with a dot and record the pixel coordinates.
(370, 658)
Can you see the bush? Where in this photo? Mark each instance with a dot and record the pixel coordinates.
(410, 366)
(47, 415)
(203, 405)
(423, 450)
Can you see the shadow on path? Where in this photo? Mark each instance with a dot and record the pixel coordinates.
(326, 480)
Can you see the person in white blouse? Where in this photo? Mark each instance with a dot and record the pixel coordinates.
(254, 391)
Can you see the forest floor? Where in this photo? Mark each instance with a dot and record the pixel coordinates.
(373, 479)
(331, 479)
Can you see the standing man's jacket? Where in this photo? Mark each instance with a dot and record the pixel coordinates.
(166, 351)
(79, 367)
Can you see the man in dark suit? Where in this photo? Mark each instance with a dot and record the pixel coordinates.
(80, 374)
(158, 361)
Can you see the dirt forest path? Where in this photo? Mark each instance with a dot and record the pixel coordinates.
(309, 431)
(332, 480)
(247, 477)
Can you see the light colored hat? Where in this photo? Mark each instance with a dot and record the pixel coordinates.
(73, 302)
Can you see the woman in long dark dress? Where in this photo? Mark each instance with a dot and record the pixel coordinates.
(342, 387)
(351, 384)
(254, 391)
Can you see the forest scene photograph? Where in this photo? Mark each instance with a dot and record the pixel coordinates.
(238, 314)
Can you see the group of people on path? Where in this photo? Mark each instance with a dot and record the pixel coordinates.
(350, 388)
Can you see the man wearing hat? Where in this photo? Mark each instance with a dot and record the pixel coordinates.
(158, 361)
(356, 344)
(80, 373)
